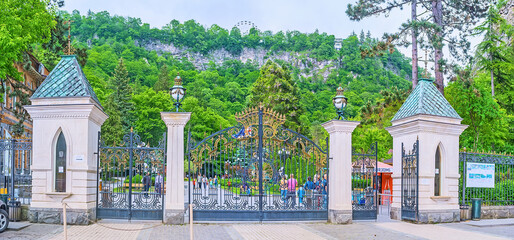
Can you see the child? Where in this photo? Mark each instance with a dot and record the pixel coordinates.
(301, 193)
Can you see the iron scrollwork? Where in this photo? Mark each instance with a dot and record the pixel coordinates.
(240, 168)
(122, 169)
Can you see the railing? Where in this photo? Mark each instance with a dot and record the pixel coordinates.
(502, 193)
(15, 172)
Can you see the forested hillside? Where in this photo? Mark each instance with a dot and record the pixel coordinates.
(131, 67)
(123, 51)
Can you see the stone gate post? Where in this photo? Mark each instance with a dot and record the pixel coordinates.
(340, 172)
(174, 207)
(67, 117)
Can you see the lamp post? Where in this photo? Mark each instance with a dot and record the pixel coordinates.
(340, 103)
(177, 93)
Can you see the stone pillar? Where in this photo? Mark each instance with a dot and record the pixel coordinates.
(174, 207)
(79, 120)
(340, 172)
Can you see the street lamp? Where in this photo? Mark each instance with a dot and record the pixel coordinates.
(177, 93)
(340, 103)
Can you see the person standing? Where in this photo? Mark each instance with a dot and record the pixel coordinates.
(309, 188)
(159, 182)
(324, 191)
(301, 193)
(204, 183)
(291, 190)
(283, 189)
(147, 182)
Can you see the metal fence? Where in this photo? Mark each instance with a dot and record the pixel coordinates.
(15, 172)
(503, 192)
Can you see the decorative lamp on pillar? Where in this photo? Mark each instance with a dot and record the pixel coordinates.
(177, 93)
(340, 103)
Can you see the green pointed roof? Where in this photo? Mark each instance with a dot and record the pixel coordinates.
(426, 99)
(66, 80)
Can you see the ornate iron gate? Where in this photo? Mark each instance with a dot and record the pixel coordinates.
(239, 173)
(410, 182)
(15, 172)
(131, 179)
(365, 184)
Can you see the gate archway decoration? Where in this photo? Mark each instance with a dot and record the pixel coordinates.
(238, 173)
(131, 179)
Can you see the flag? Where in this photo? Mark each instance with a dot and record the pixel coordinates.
(241, 133)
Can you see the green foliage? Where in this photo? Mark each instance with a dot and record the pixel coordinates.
(217, 92)
(135, 179)
(148, 107)
(22, 23)
(163, 84)
(361, 183)
(488, 123)
(276, 90)
(375, 118)
(501, 194)
(122, 93)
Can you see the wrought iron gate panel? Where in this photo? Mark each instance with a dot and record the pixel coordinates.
(410, 182)
(15, 172)
(235, 174)
(121, 172)
(365, 184)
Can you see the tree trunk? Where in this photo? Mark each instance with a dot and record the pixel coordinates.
(437, 11)
(414, 47)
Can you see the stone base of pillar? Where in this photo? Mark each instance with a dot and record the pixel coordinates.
(395, 213)
(173, 216)
(439, 216)
(340, 216)
(55, 216)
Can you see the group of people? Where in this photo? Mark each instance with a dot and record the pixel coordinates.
(147, 183)
(312, 190)
(202, 182)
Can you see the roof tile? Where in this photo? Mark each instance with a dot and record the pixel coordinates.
(66, 80)
(426, 99)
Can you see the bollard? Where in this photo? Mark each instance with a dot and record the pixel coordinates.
(191, 221)
(64, 218)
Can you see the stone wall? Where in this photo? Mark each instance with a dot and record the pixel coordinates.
(493, 212)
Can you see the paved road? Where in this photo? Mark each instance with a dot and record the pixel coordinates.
(395, 230)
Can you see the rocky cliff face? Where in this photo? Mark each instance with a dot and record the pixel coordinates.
(508, 12)
(308, 66)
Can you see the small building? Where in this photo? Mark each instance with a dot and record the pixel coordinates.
(338, 43)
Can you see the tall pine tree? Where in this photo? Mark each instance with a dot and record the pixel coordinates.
(449, 23)
(163, 83)
(122, 95)
(276, 90)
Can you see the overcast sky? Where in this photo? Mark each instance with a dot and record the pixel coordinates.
(275, 15)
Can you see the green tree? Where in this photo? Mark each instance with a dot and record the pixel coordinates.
(276, 90)
(112, 129)
(488, 124)
(163, 84)
(450, 21)
(22, 23)
(148, 107)
(490, 54)
(122, 95)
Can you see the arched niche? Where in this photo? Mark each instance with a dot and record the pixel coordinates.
(438, 158)
(60, 163)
